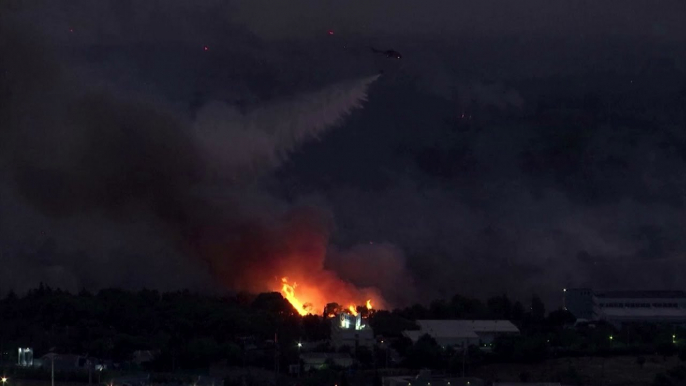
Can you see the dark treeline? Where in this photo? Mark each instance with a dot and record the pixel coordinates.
(192, 331)
(189, 330)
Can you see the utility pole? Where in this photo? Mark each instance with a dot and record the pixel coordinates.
(464, 357)
(299, 347)
(276, 358)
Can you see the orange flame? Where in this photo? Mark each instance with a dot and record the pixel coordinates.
(310, 298)
(288, 292)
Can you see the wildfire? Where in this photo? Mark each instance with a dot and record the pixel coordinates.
(314, 297)
(288, 292)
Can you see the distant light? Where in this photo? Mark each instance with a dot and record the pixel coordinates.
(71, 30)
(330, 32)
(611, 337)
(206, 48)
(300, 344)
(564, 290)
(4, 379)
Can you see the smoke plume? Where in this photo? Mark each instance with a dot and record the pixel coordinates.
(128, 186)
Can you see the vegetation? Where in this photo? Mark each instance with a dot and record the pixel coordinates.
(191, 331)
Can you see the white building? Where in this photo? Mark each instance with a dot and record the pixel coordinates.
(350, 330)
(462, 333)
(25, 357)
(619, 307)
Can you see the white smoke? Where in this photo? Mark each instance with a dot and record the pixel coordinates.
(267, 134)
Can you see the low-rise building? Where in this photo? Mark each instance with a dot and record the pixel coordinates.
(619, 307)
(25, 357)
(462, 333)
(526, 384)
(351, 330)
(427, 378)
(318, 360)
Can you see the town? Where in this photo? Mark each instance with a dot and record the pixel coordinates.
(115, 337)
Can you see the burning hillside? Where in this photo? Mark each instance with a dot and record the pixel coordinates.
(312, 300)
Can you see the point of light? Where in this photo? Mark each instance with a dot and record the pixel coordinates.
(71, 30)
(4, 379)
(206, 48)
(330, 32)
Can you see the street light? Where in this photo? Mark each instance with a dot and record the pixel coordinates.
(4, 380)
(300, 345)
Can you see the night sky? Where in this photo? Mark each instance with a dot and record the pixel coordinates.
(517, 147)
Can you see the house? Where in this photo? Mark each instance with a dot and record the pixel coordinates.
(427, 378)
(525, 384)
(133, 380)
(208, 381)
(25, 357)
(143, 356)
(351, 330)
(64, 362)
(315, 361)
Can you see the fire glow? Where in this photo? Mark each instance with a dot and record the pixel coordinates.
(312, 299)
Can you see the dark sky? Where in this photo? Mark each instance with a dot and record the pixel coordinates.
(517, 147)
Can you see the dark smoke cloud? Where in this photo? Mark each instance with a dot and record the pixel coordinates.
(515, 196)
(114, 185)
(281, 19)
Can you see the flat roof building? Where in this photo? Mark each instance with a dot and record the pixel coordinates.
(462, 332)
(627, 306)
(427, 378)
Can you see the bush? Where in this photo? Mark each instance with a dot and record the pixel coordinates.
(678, 372)
(666, 349)
(641, 361)
(524, 376)
(682, 354)
(662, 380)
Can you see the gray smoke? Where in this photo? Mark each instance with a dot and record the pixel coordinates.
(108, 185)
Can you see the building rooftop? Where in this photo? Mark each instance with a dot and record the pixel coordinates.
(324, 355)
(453, 327)
(641, 294)
(651, 312)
